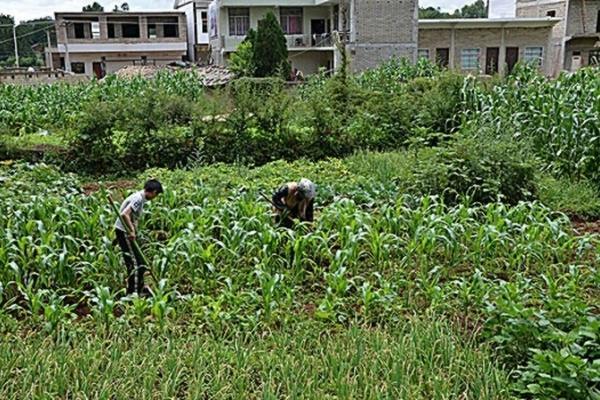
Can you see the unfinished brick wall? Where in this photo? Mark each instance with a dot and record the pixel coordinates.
(383, 29)
(540, 9)
(582, 19)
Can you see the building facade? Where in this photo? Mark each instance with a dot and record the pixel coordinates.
(196, 12)
(488, 46)
(576, 39)
(370, 30)
(94, 44)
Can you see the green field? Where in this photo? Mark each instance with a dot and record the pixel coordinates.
(458, 262)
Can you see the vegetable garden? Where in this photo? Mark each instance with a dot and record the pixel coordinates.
(443, 261)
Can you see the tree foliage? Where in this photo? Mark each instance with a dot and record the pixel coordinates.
(270, 54)
(95, 7)
(478, 9)
(29, 33)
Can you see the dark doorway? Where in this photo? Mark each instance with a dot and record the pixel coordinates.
(442, 57)
(79, 31)
(317, 30)
(594, 58)
(98, 68)
(491, 60)
(512, 58)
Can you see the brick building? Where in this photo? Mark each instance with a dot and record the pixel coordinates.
(371, 30)
(576, 39)
(488, 46)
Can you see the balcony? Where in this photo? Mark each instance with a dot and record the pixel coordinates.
(294, 42)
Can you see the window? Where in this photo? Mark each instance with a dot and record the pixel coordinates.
(131, 30)
(442, 57)
(171, 30)
(291, 20)
(96, 30)
(111, 31)
(469, 59)
(204, 16)
(534, 55)
(598, 22)
(239, 21)
(79, 31)
(152, 31)
(551, 13)
(78, 67)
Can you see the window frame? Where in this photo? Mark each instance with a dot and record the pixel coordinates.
(82, 64)
(284, 20)
(423, 50)
(540, 58)
(476, 67)
(239, 25)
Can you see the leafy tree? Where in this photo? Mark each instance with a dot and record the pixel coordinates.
(433, 13)
(475, 10)
(6, 46)
(96, 7)
(242, 61)
(478, 9)
(270, 53)
(29, 34)
(124, 7)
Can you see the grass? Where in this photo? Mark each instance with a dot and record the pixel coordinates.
(420, 359)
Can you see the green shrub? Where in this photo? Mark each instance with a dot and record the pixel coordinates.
(485, 170)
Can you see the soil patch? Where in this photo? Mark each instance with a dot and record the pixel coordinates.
(93, 187)
(581, 226)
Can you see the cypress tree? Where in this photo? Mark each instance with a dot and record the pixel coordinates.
(270, 49)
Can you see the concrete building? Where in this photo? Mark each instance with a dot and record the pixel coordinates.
(487, 46)
(97, 43)
(198, 27)
(576, 39)
(371, 30)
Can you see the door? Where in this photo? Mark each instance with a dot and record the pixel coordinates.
(317, 30)
(576, 61)
(202, 21)
(98, 68)
(442, 57)
(492, 57)
(512, 58)
(595, 58)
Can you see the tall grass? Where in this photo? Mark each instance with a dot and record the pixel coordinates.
(420, 359)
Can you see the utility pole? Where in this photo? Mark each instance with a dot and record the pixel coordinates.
(67, 56)
(50, 56)
(16, 45)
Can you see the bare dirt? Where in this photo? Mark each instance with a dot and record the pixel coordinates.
(92, 187)
(581, 226)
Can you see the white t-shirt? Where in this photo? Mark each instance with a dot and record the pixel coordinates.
(136, 202)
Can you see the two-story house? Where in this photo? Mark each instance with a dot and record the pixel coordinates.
(196, 12)
(576, 39)
(97, 43)
(371, 30)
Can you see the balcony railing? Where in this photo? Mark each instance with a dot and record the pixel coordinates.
(325, 40)
(314, 40)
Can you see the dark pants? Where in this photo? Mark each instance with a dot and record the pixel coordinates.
(132, 271)
(288, 221)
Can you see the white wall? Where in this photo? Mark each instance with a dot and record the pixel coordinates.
(503, 8)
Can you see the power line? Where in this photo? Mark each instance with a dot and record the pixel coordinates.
(25, 35)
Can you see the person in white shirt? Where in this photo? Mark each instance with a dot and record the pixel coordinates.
(130, 211)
